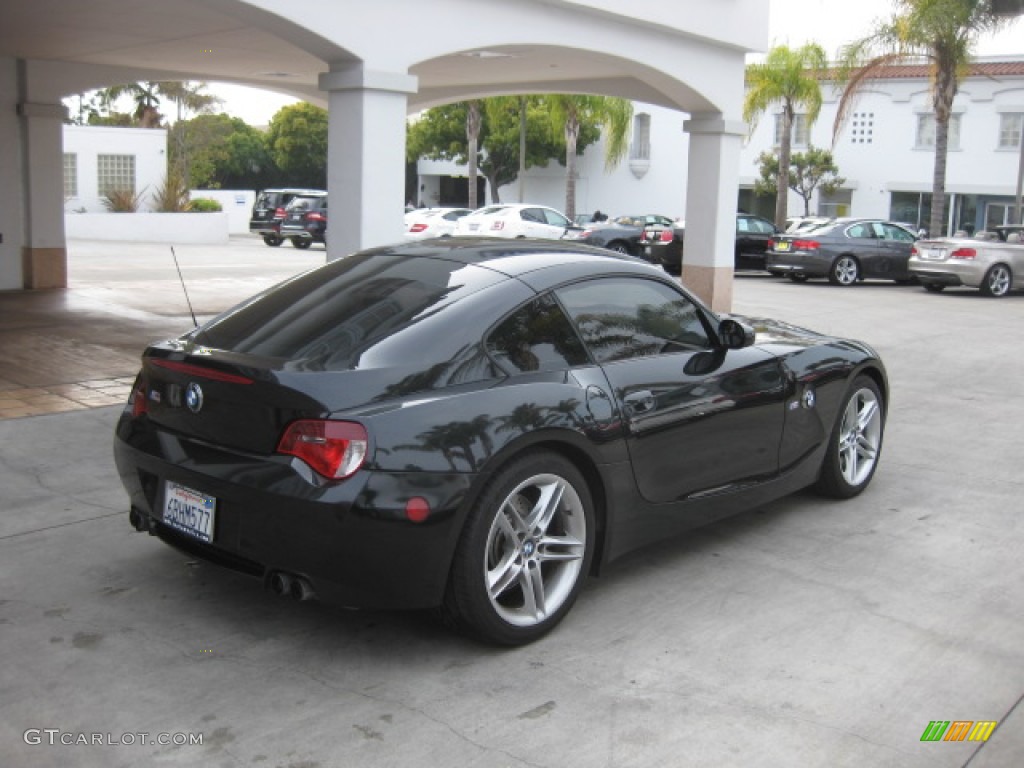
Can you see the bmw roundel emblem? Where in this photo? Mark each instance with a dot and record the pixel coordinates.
(194, 397)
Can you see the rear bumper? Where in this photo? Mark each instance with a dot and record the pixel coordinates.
(950, 272)
(351, 540)
(795, 265)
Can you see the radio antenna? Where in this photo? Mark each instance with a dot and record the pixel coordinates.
(183, 288)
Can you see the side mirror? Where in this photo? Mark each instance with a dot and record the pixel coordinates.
(732, 334)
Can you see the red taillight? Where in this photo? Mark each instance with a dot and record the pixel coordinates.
(771, 244)
(334, 449)
(913, 250)
(419, 226)
(137, 399)
(964, 253)
(806, 245)
(417, 509)
(314, 216)
(199, 371)
(665, 236)
(279, 213)
(498, 225)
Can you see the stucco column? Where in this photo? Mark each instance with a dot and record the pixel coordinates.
(44, 258)
(711, 194)
(365, 157)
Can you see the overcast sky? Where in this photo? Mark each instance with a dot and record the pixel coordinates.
(831, 23)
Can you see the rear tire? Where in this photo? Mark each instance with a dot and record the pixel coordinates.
(301, 243)
(856, 441)
(934, 287)
(273, 240)
(524, 552)
(844, 271)
(997, 281)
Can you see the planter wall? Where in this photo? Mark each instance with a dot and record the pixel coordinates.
(200, 228)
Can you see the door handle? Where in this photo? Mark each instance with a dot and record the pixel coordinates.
(640, 402)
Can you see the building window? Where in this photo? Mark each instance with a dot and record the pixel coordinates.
(799, 136)
(926, 132)
(641, 147)
(115, 173)
(70, 175)
(1009, 129)
(862, 128)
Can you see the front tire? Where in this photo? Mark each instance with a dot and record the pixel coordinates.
(845, 271)
(855, 443)
(619, 247)
(524, 553)
(272, 240)
(301, 243)
(997, 281)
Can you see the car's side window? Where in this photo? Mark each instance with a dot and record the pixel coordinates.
(620, 318)
(896, 233)
(531, 214)
(536, 337)
(860, 231)
(743, 225)
(555, 219)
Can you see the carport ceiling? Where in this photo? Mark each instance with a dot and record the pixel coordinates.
(220, 40)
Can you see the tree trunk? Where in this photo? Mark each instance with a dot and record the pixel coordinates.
(522, 147)
(782, 179)
(572, 134)
(473, 138)
(944, 91)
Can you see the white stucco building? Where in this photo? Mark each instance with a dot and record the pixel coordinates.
(98, 159)
(884, 151)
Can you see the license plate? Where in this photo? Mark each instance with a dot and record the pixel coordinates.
(782, 245)
(932, 254)
(189, 511)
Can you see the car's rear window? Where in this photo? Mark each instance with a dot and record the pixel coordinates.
(330, 317)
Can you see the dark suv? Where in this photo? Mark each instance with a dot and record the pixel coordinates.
(752, 236)
(305, 219)
(268, 212)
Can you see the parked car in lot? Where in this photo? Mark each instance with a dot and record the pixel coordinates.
(624, 233)
(517, 220)
(423, 223)
(479, 425)
(268, 212)
(844, 251)
(994, 265)
(305, 220)
(752, 236)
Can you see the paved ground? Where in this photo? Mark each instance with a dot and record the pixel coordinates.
(804, 633)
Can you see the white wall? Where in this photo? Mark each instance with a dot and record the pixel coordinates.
(207, 228)
(237, 204)
(148, 145)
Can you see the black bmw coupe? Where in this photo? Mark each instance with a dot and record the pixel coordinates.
(479, 425)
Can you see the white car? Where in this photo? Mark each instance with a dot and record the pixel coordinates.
(432, 222)
(517, 221)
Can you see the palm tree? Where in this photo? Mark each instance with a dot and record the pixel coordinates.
(147, 99)
(789, 78)
(941, 32)
(188, 97)
(569, 113)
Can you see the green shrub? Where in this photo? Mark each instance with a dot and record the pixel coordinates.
(205, 205)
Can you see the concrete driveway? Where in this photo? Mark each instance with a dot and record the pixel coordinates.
(805, 633)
